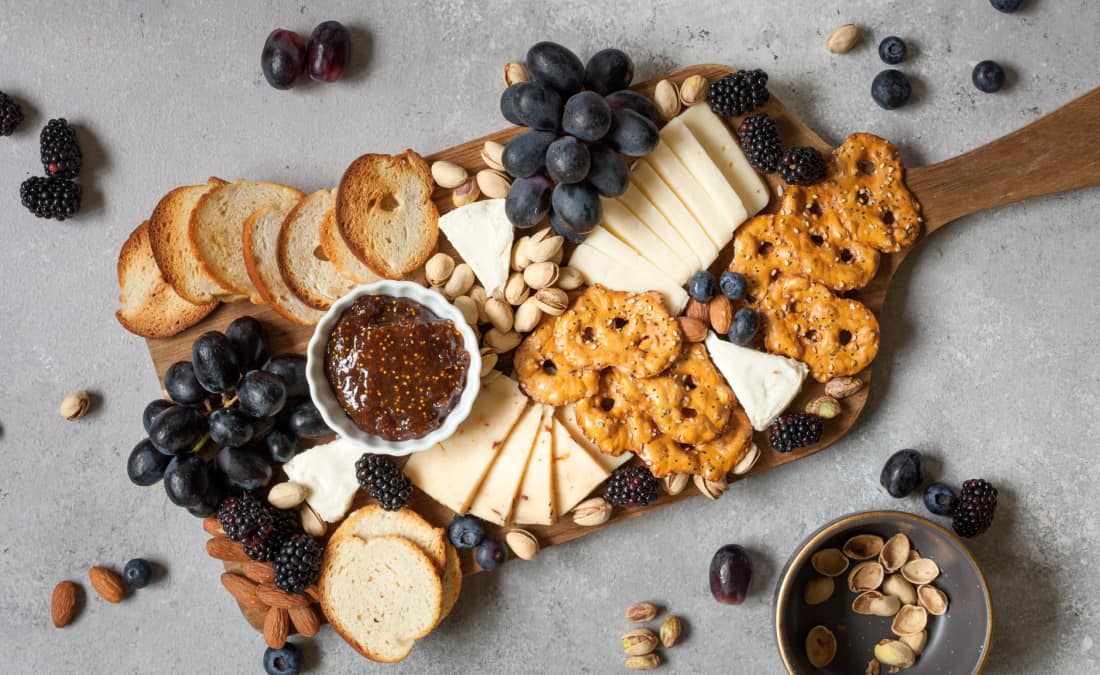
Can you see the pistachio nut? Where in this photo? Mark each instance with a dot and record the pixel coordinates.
(494, 184)
(694, 90)
(818, 589)
(670, 631)
(489, 359)
(501, 341)
(675, 483)
(842, 387)
(492, 154)
(312, 524)
(916, 641)
(648, 662)
(468, 307)
(570, 278)
(895, 653)
(830, 561)
(745, 465)
(448, 174)
(480, 297)
(639, 642)
(287, 495)
(500, 314)
(523, 544)
(592, 512)
(843, 39)
(820, 646)
(438, 269)
(75, 405)
(467, 193)
(640, 612)
(552, 301)
(528, 316)
(519, 260)
(461, 281)
(713, 489)
(540, 275)
(516, 290)
(515, 72)
(897, 586)
(544, 250)
(825, 407)
(667, 97)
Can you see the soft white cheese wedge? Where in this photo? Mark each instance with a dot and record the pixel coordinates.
(765, 384)
(496, 497)
(576, 472)
(567, 415)
(661, 196)
(535, 501)
(328, 471)
(621, 222)
(452, 471)
(650, 216)
(726, 152)
(605, 260)
(482, 235)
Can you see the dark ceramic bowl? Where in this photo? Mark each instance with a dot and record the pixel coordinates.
(958, 641)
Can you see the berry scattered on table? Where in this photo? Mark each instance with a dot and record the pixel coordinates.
(730, 574)
(703, 286)
(902, 473)
(892, 50)
(137, 573)
(988, 76)
(286, 660)
(328, 51)
(738, 93)
(50, 197)
(11, 115)
(298, 563)
(733, 285)
(760, 140)
(744, 326)
(940, 499)
(801, 166)
(61, 157)
(466, 532)
(795, 430)
(1006, 6)
(631, 487)
(283, 58)
(383, 480)
(490, 555)
(975, 508)
(891, 89)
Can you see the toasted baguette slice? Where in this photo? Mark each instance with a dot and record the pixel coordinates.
(337, 251)
(261, 234)
(150, 306)
(384, 211)
(177, 259)
(374, 521)
(302, 261)
(216, 231)
(452, 582)
(380, 594)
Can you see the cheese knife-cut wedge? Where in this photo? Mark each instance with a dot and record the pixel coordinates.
(535, 501)
(629, 229)
(644, 210)
(496, 497)
(726, 152)
(605, 260)
(765, 384)
(482, 235)
(452, 471)
(567, 415)
(576, 472)
(645, 178)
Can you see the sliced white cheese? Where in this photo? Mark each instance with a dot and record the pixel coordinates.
(482, 235)
(765, 384)
(576, 472)
(694, 156)
(535, 502)
(726, 152)
(650, 216)
(567, 415)
(621, 222)
(328, 472)
(452, 472)
(605, 260)
(669, 205)
(496, 497)
(673, 172)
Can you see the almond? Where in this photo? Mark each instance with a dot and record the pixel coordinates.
(275, 597)
(721, 314)
(697, 310)
(694, 330)
(106, 583)
(242, 590)
(212, 526)
(305, 620)
(63, 603)
(313, 592)
(276, 627)
(261, 573)
(223, 549)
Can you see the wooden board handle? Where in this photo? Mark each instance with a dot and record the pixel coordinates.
(1057, 152)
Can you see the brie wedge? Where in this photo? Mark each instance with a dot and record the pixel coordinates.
(328, 471)
(482, 235)
(765, 384)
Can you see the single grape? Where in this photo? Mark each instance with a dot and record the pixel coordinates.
(608, 70)
(556, 67)
(281, 446)
(572, 234)
(525, 155)
(177, 430)
(730, 574)
(229, 426)
(186, 480)
(215, 492)
(153, 409)
(537, 106)
(632, 134)
(245, 467)
(292, 369)
(328, 52)
(181, 385)
(215, 362)
(508, 104)
(246, 334)
(577, 204)
(146, 464)
(305, 421)
(628, 99)
(587, 116)
(608, 172)
(567, 160)
(283, 58)
(261, 394)
(528, 201)
(262, 426)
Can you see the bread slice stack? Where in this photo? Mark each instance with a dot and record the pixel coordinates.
(387, 579)
(271, 244)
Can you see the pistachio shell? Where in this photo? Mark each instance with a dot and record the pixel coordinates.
(519, 260)
(694, 90)
(515, 72)
(873, 603)
(897, 586)
(916, 641)
(477, 292)
(830, 561)
(489, 360)
(468, 307)
(528, 316)
(552, 301)
(747, 462)
(494, 184)
(818, 589)
(545, 249)
(932, 599)
(501, 341)
(500, 314)
(438, 269)
(570, 278)
(492, 154)
(540, 275)
(895, 653)
(866, 576)
(467, 193)
(667, 98)
(523, 544)
(820, 646)
(675, 483)
(910, 619)
(920, 571)
(461, 281)
(448, 174)
(863, 546)
(895, 552)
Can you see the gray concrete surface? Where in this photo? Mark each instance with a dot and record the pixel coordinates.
(988, 360)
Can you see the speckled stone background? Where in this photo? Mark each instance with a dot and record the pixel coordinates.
(988, 359)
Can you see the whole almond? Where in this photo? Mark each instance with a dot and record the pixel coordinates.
(721, 314)
(667, 97)
(305, 620)
(287, 495)
(243, 590)
(843, 39)
(276, 597)
(212, 526)
(641, 612)
(106, 583)
(276, 627)
(223, 549)
(261, 573)
(63, 603)
(698, 310)
(313, 593)
(694, 330)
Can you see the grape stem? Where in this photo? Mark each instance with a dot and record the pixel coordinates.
(202, 442)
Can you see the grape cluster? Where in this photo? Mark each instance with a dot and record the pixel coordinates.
(582, 121)
(230, 394)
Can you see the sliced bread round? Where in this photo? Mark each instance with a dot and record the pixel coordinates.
(216, 230)
(177, 259)
(150, 306)
(337, 251)
(302, 262)
(385, 212)
(379, 594)
(374, 521)
(261, 235)
(452, 582)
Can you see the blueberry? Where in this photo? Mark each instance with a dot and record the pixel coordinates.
(892, 50)
(891, 89)
(466, 532)
(285, 661)
(743, 328)
(490, 555)
(940, 499)
(733, 285)
(137, 573)
(903, 473)
(703, 286)
(988, 76)
(1006, 6)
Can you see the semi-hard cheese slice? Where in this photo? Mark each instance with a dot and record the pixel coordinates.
(765, 384)
(328, 472)
(605, 260)
(714, 182)
(621, 222)
(567, 415)
(678, 216)
(496, 497)
(706, 211)
(482, 235)
(644, 210)
(726, 152)
(452, 471)
(576, 472)
(535, 502)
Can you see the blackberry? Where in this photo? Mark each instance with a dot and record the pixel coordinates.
(975, 508)
(760, 141)
(242, 516)
(264, 544)
(383, 480)
(298, 563)
(11, 115)
(738, 93)
(60, 152)
(796, 430)
(631, 486)
(55, 198)
(801, 166)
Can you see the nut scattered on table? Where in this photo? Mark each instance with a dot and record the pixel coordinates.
(106, 583)
(515, 72)
(671, 629)
(640, 612)
(75, 405)
(639, 642)
(647, 662)
(843, 39)
(63, 603)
